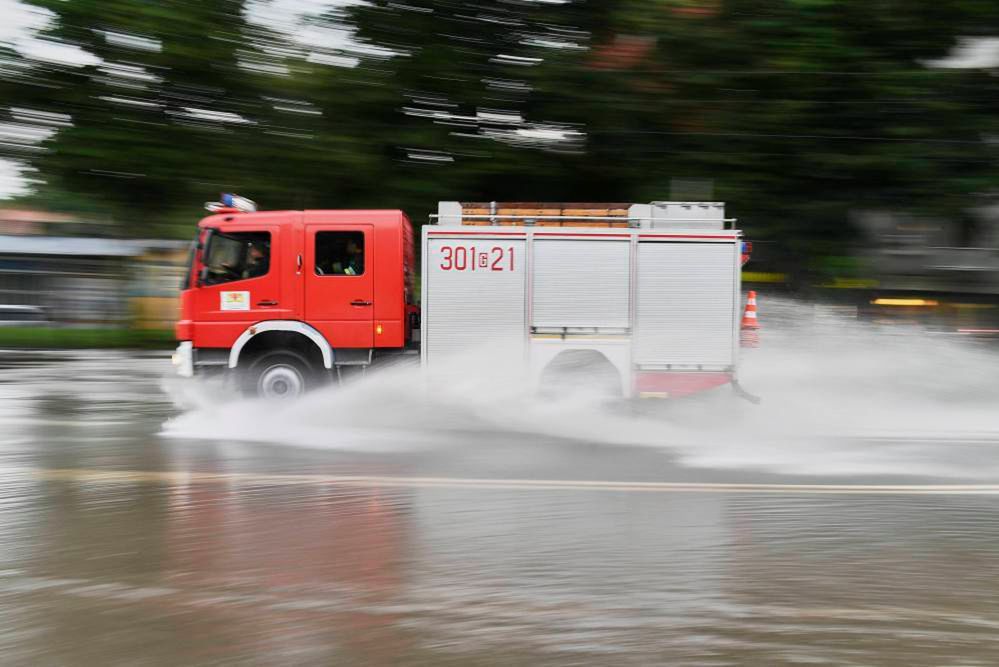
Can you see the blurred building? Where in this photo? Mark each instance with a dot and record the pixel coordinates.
(20, 221)
(910, 253)
(154, 283)
(87, 281)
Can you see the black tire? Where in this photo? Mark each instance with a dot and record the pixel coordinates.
(280, 375)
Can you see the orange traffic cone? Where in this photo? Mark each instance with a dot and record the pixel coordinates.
(750, 334)
(749, 320)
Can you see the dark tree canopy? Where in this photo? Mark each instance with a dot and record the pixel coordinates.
(794, 111)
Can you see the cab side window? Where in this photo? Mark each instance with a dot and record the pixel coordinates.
(339, 253)
(237, 256)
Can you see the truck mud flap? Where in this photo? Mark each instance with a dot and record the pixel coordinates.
(741, 392)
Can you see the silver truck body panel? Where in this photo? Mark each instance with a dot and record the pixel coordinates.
(647, 298)
(469, 309)
(581, 283)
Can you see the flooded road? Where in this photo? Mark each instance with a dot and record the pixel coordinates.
(144, 524)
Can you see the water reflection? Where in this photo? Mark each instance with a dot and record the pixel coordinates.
(228, 566)
(294, 574)
(295, 571)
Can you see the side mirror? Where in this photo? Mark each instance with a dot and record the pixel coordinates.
(205, 246)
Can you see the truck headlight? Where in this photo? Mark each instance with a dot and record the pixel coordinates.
(183, 359)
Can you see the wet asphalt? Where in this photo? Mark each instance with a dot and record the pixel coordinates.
(127, 541)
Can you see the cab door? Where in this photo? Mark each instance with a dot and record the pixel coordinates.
(241, 282)
(339, 283)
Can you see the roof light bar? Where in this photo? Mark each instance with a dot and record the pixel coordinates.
(229, 202)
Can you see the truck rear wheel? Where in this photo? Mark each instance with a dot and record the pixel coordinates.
(581, 370)
(278, 375)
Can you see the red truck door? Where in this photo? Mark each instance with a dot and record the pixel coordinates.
(339, 283)
(242, 282)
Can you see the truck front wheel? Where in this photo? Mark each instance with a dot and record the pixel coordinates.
(278, 375)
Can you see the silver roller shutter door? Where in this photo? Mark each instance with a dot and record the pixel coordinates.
(685, 304)
(467, 308)
(581, 283)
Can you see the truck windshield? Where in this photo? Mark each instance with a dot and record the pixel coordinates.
(237, 256)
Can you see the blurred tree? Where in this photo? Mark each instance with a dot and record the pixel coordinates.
(151, 109)
(797, 111)
(801, 110)
(462, 112)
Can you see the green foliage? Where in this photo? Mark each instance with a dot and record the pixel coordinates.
(798, 111)
(55, 338)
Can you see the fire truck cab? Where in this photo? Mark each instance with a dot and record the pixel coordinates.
(291, 297)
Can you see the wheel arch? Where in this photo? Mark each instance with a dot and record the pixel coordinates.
(582, 356)
(264, 335)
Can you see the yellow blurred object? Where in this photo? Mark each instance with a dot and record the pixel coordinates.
(759, 277)
(155, 312)
(905, 302)
(851, 283)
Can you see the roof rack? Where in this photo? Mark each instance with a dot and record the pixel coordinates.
(688, 215)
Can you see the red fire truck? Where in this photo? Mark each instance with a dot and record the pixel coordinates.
(646, 294)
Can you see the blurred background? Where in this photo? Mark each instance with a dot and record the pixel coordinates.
(857, 142)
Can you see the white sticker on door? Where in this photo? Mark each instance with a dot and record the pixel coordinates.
(235, 301)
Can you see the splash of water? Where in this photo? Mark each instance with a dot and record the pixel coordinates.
(840, 398)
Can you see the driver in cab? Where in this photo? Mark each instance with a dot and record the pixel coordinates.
(257, 261)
